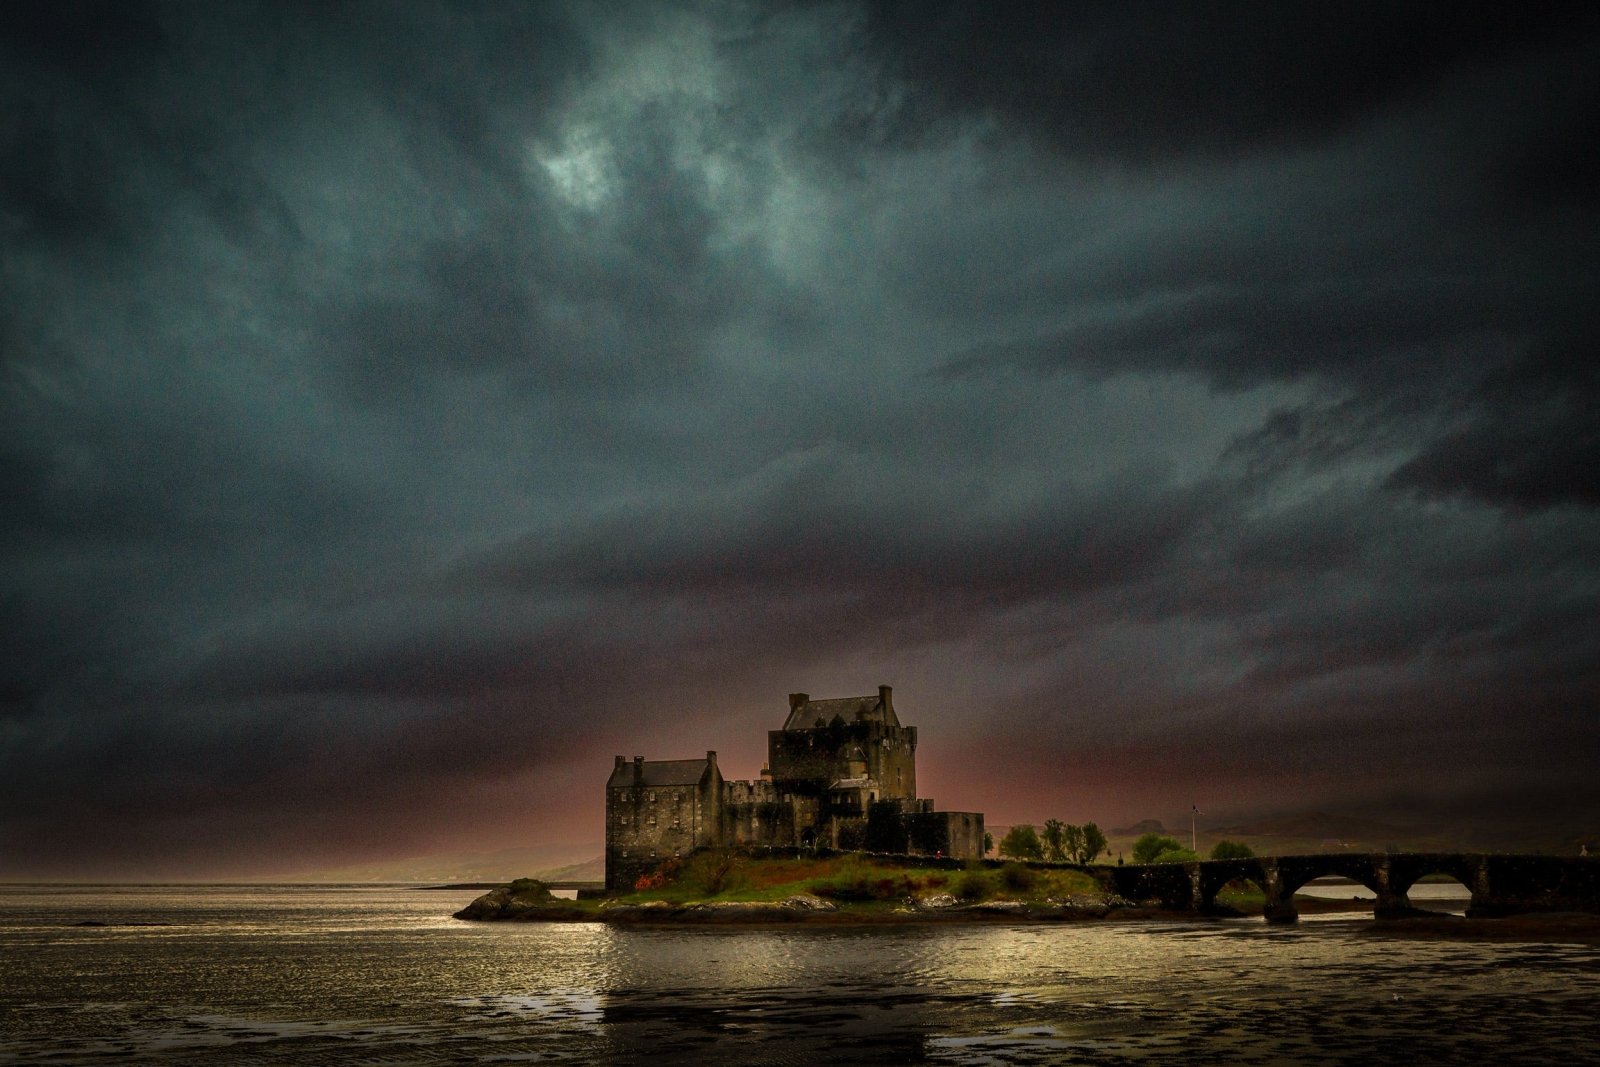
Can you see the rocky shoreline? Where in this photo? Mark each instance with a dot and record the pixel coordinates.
(503, 905)
(518, 904)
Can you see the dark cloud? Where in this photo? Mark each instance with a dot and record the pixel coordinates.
(404, 409)
(1526, 436)
(1147, 82)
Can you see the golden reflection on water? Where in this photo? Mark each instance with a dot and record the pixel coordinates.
(382, 975)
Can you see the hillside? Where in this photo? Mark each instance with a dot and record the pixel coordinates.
(580, 861)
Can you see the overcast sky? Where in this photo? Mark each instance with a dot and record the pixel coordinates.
(407, 408)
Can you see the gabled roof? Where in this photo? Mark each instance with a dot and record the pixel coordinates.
(660, 772)
(850, 709)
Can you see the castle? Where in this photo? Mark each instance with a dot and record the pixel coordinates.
(841, 774)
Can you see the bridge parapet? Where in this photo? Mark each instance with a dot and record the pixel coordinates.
(1512, 885)
(1499, 884)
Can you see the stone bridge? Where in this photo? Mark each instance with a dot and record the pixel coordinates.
(1500, 884)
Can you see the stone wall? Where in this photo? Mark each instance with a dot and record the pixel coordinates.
(917, 830)
(807, 760)
(755, 813)
(646, 825)
(951, 833)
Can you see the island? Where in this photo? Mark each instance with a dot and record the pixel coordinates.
(743, 886)
(757, 886)
(833, 830)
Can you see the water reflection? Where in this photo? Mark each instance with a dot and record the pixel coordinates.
(381, 976)
(1338, 889)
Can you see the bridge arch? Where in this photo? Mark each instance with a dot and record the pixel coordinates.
(1217, 875)
(1295, 871)
(1499, 884)
(1407, 869)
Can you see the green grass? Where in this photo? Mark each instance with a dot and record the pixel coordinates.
(854, 881)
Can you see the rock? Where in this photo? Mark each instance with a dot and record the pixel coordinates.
(721, 911)
(523, 905)
(809, 903)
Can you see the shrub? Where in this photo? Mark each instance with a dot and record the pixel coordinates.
(1017, 878)
(866, 885)
(972, 886)
(1231, 850)
(1151, 845)
(856, 880)
(667, 872)
(1176, 855)
(710, 872)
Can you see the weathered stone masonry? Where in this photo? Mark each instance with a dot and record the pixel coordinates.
(1499, 884)
(841, 773)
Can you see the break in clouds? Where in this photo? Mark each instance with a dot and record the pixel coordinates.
(405, 408)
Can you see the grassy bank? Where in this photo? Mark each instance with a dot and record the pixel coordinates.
(849, 883)
(715, 875)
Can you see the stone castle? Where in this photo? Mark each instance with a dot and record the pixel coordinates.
(841, 774)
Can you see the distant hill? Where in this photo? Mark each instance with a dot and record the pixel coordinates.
(590, 870)
(581, 861)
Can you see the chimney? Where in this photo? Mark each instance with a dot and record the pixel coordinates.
(886, 697)
(711, 757)
(620, 763)
(796, 699)
(638, 770)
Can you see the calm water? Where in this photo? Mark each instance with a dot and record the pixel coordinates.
(384, 976)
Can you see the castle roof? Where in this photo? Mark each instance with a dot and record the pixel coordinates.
(659, 772)
(804, 712)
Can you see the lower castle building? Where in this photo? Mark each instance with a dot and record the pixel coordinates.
(840, 774)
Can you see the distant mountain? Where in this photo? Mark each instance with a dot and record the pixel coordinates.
(590, 870)
(1140, 828)
(572, 861)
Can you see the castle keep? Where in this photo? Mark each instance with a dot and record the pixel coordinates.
(840, 774)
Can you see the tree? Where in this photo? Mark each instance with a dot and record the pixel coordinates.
(988, 842)
(1094, 842)
(1074, 835)
(1151, 845)
(1056, 837)
(1231, 850)
(1022, 843)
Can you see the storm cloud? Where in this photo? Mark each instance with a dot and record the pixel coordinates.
(407, 407)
